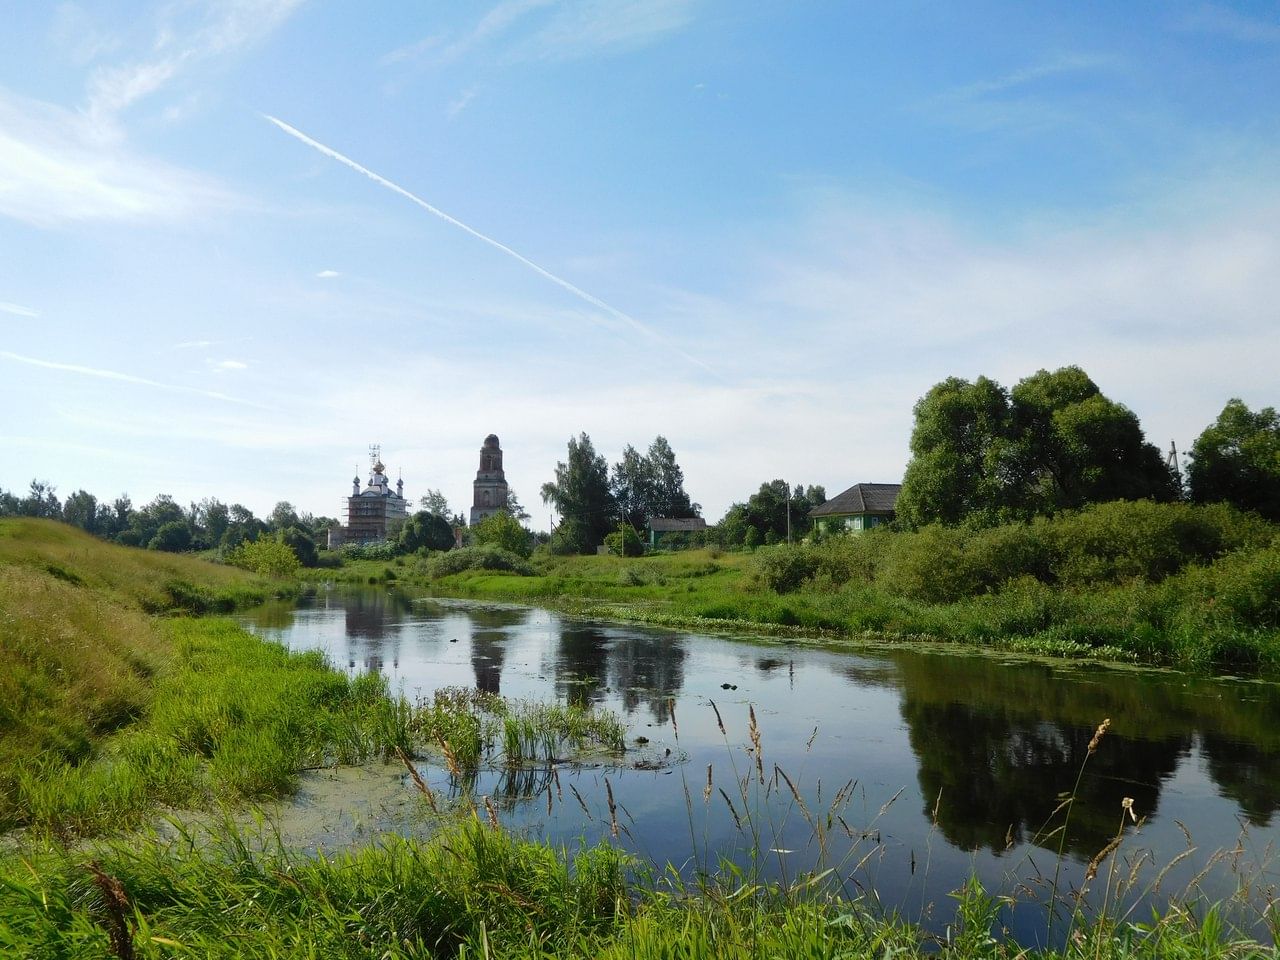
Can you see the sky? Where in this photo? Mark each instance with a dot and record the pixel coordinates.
(241, 241)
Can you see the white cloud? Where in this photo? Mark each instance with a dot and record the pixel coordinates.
(593, 26)
(80, 36)
(328, 274)
(18, 310)
(1068, 64)
(56, 168)
(111, 89)
(1014, 98)
(627, 319)
(224, 366)
(460, 103)
(59, 165)
(556, 31)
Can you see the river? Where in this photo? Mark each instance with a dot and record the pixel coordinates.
(957, 760)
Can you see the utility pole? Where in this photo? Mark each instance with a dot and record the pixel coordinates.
(788, 489)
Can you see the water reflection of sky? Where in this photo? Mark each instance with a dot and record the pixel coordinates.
(975, 750)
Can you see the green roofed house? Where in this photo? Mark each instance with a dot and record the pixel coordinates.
(861, 507)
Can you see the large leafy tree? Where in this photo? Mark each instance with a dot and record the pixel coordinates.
(1073, 446)
(650, 485)
(763, 518)
(41, 501)
(436, 502)
(1237, 460)
(427, 530)
(959, 449)
(283, 516)
(669, 498)
(580, 494)
(81, 510)
(503, 531)
(633, 487)
(216, 517)
(980, 454)
(144, 524)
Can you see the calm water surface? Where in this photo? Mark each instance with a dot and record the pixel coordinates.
(957, 760)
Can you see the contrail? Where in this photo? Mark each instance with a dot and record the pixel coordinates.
(436, 211)
(18, 310)
(124, 378)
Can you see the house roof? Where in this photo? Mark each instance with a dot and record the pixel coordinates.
(860, 498)
(672, 524)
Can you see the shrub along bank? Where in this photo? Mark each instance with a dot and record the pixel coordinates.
(1160, 584)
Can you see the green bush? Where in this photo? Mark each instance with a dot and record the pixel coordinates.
(383, 550)
(625, 542)
(477, 558)
(930, 565)
(785, 568)
(852, 559)
(1115, 542)
(504, 532)
(268, 556)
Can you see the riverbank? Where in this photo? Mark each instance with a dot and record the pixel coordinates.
(1195, 588)
(206, 714)
(476, 891)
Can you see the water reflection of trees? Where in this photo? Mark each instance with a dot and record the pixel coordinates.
(490, 627)
(1246, 774)
(1003, 741)
(370, 613)
(997, 776)
(582, 664)
(646, 670)
(373, 616)
(488, 653)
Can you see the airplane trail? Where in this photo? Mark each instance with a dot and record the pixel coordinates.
(436, 211)
(124, 378)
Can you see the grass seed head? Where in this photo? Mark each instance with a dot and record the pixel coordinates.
(1098, 735)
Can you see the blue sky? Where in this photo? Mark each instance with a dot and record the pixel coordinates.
(765, 229)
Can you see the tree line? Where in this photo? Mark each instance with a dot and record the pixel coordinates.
(163, 524)
(983, 455)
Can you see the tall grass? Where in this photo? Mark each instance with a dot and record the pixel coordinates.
(473, 891)
(78, 651)
(230, 718)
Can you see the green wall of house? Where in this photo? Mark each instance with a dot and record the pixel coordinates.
(851, 523)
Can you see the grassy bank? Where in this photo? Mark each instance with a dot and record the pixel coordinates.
(1158, 584)
(114, 701)
(475, 891)
(82, 638)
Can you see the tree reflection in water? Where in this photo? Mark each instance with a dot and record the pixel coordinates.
(644, 669)
(373, 617)
(1003, 743)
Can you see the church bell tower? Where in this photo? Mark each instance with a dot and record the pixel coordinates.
(489, 491)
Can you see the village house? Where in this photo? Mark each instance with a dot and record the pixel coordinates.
(861, 507)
